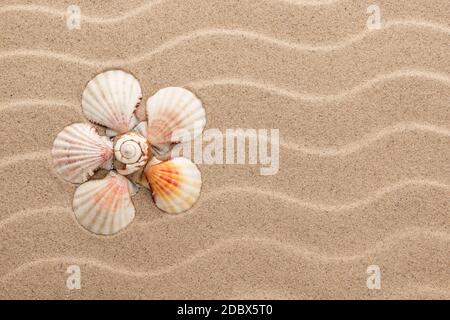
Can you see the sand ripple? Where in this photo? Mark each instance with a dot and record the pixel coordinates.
(173, 43)
(360, 182)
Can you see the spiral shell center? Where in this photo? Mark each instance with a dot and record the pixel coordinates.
(130, 150)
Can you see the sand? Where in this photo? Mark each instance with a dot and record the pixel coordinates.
(364, 173)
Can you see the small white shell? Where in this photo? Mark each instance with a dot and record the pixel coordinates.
(131, 151)
(104, 206)
(175, 184)
(141, 128)
(110, 100)
(110, 133)
(174, 115)
(78, 151)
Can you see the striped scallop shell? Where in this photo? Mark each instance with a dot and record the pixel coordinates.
(175, 184)
(78, 151)
(104, 206)
(110, 100)
(174, 115)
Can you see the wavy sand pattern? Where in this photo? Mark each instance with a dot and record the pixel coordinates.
(364, 175)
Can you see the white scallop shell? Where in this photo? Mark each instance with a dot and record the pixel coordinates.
(104, 206)
(175, 184)
(110, 100)
(174, 115)
(78, 151)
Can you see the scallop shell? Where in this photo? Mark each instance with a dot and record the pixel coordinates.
(78, 151)
(175, 184)
(110, 99)
(104, 206)
(174, 115)
(131, 151)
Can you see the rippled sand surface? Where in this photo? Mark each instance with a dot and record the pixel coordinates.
(364, 120)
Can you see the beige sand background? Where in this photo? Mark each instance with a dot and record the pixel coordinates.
(364, 172)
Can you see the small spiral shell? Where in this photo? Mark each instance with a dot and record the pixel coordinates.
(131, 151)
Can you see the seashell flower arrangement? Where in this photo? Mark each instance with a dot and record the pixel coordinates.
(110, 99)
